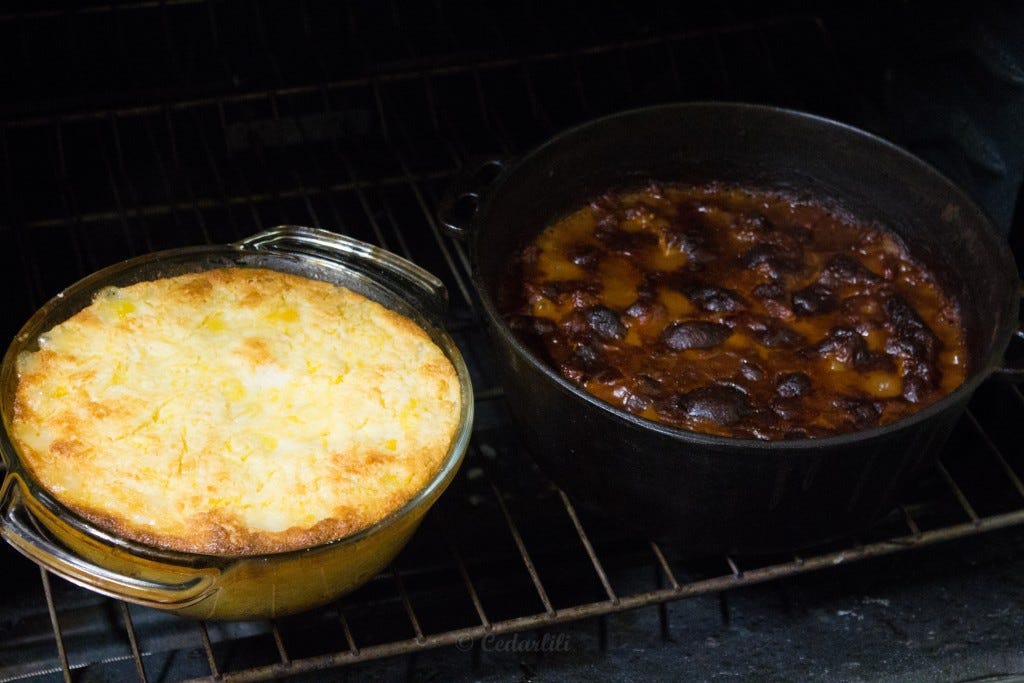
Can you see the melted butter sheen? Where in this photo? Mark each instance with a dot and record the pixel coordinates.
(737, 312)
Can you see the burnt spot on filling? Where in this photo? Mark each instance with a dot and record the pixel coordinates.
(623, 242)
(813, 300)
(695, 334)
(714, 299)
(778, 336)
(719, 404)
(841, 343)
(793, 384)
(916, 345)
(736, 312)
(861, 413)
(844, 269)
(751, 372)
(605, 323)
(773, 260)
(686, 233)
(585, 256)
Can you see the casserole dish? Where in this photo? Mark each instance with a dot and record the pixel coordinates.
(717, 494)
(218, 586)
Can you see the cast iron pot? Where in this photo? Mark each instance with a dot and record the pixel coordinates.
(714, 494)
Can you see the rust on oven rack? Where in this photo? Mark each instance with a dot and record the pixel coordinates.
(353, 650)
(909, 520)
(133, 643)
(524, 554)
(282, 653)
(407, 604)
(460, 563)
(602, 575)
(211, 659)
(663, 563)
(62, 653)
(960, 497)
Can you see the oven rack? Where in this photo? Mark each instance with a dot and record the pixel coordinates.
(368, 152)
(446, 557)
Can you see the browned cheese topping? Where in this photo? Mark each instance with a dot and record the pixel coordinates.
(737, 313)
(235, 411)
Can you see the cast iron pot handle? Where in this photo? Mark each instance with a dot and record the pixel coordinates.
(26, 535)
(1013, 371)
(461, 199)
(424, 291)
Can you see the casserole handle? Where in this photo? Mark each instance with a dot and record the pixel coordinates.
(403, 277)
(459, 204)
(1012, 369)
(177, 587)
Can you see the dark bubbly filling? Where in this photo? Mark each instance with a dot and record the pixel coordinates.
(736, 312)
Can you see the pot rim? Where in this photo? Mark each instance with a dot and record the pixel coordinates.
(959, 395)
(17, 470)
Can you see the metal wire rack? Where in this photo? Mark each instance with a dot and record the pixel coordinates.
(362, 139)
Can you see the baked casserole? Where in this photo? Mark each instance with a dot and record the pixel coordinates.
(235, 411)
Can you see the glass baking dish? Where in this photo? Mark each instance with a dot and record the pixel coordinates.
(214, 586)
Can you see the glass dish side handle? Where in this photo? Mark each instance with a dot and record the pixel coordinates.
(403, 277)
(178, 586)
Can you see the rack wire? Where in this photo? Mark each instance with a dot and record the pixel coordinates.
(367, 152)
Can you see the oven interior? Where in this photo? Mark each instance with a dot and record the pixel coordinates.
(137, 126)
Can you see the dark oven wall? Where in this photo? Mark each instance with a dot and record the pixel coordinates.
(151, 124)
(131, 127)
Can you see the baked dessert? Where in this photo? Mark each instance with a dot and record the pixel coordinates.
(736, 312)
(235, 411)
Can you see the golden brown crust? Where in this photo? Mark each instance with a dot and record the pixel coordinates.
(235, 411)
